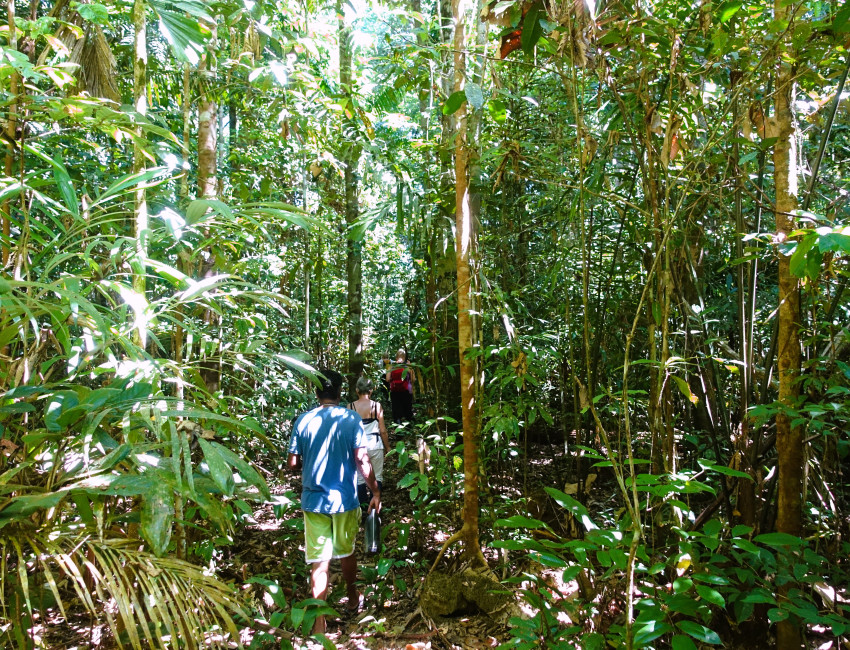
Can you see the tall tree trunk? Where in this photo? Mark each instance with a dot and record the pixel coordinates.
(140, 208)
(746, 486)
(207, 188)
(464, 245)
(207, 132)
(354, 246)
(789, 438)
(183, 257)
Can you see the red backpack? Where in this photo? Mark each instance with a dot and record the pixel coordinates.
(400, 380)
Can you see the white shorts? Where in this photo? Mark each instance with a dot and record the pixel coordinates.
(376, 456)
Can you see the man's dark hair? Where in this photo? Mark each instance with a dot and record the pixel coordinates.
(331, 384)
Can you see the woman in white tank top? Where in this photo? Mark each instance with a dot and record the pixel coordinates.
(376, 434)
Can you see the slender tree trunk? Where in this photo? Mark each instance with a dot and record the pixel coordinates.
(11, 133)
(746, 487)
(207, 189)
(464, 245)
(140, 211)
(354, 245)
(207, 135)
(183, 258)
(789, 438)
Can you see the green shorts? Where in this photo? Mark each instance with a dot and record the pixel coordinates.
(328, 537)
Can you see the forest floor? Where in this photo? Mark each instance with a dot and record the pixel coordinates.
(390, 616)
(266, 555)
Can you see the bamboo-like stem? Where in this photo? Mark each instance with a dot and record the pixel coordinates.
(11, 134)
(140, 211)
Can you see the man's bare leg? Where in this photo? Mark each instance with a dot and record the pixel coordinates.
(319, 587)
(349, 574)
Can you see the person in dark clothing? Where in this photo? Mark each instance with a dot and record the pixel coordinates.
(400, 377)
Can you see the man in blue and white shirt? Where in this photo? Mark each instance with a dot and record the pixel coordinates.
(330, 446)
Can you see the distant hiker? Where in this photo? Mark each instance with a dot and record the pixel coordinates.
(330, 444)
(375, 431)
(401, 378)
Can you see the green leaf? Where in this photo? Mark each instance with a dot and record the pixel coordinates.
(93, 12)
(157, 516)
(699, 632)
(682, 642)
(711, 595)
(200, 207)
(729, 9)
(842, 16)
(685, 389)
(518, 521)
(219, 470)
(297, 616)
(203, 286)
(575, 507)
(17, 407)
(58, 403)
(834, 241)
(123, 485)
(498, 110)
(740, 530)
(799, 257)
(27, 504)
(649, 631)
(66, 187)
(775, 615)
(454, 102)
(186, 35)
(129, 182)
(532, 30)
(778, 539)
(245, 470)
(722, 469)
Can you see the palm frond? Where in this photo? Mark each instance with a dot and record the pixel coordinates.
(146, 601)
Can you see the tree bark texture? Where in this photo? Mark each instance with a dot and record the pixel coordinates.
(207, 188)
(464, 244)
(789, 438)
(354, 246)
(140, 103)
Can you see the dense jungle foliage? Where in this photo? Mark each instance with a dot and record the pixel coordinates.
(612, 237)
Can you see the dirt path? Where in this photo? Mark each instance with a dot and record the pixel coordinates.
(271, 549)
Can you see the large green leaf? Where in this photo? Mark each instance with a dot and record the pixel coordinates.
(454, 102)
(532, 30)
(518, 521)
(220, 471)
(247, 472)
(157, 516)
(24, 505)
(699, 632)
(578, 510)
(187, 36)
